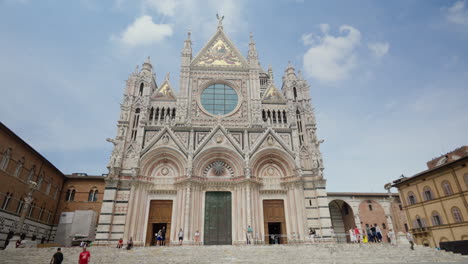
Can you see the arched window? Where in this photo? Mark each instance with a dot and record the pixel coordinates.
(436, 219)
(457, 215)
(19, 168)
(5, 159)
(427, 193)
(142, 86)
(447, 188)
(151, 115)
(418, 222)
(173, 113)
(93, 195)
(70, 195)
(31, 210)
(6, 200)
(411, 198)
(264, 116)
(32, 173)
(295, 93)
(41, 212)
(284, 117)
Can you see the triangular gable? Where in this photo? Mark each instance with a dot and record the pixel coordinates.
(219, 52)
(217, 131)
(271, 139)
(165, 137)
(165, 92)
(273, 96)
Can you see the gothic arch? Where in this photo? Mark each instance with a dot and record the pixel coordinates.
(342, 218)
(163, 161)
(211, 155)
(268, 159)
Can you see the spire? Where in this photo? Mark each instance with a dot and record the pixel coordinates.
(253, 55)
(187, 50)
(147, 67)
(270, 74)
(220, 21)
(289, 72)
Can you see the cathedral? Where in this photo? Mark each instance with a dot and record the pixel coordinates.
(227, 153)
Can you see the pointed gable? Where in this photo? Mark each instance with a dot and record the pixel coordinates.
(165, 92)
(273, 96)
(219, 52)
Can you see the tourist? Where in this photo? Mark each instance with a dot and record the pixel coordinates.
(357, 234)
(18, 243)
(249, 235)
(83, 244)
(410, 240)
(373, 234)
(378, 234)
(57, 258)
(163, 236)
(159, 238)
(391, 236)
(120, 243)
(352, 236)
(84, 257)
(312, 235)
(364, 239)
(197, 238)
(130, 243)
(181, 236)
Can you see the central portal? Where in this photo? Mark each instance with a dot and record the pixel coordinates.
(217, 218)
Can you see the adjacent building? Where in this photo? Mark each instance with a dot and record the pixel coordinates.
(436, 200)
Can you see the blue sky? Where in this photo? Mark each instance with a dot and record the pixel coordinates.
(389, 79)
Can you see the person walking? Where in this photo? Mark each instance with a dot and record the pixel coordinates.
(373, 234)
(249, 235)
(85, 256)
(159, 238)
(181, 236)
(197, 238)
(410, 240)
(57, 258)
(163, 236)
(391, 236)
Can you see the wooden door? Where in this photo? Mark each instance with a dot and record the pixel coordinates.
(160, 212)
(273, 212)
(217, 230)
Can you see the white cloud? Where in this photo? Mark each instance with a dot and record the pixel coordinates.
(331, 58)
(379, 49)
(144, 32)
(458, 14)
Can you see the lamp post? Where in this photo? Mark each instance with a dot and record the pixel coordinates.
(27, 203)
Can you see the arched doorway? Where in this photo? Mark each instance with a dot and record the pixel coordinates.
(342, 218)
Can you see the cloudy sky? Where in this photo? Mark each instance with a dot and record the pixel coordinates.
(389, 79)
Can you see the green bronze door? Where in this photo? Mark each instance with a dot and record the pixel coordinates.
(217, 218)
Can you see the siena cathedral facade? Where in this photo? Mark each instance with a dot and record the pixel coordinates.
(227, 151)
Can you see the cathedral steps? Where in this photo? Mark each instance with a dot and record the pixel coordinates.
(317, 253)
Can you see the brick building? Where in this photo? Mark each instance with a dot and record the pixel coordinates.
(19, 164)
(436, 200)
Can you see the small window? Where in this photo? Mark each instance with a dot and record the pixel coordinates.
(384, 226)
(92, 197)
(447, 188)
(19, 167)
(31, 210)
(457, 216)
(411, 198)
(370, 207)
(436, 220)
(406, 228)
(427, 193)
(5, 159)
(142, 86)
(310, 202)
(401, 207)
(20, 206)
(70, 195)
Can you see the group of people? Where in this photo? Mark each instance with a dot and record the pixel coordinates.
(129, 243)
(370, 234)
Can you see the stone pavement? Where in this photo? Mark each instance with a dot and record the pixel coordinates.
(289, 254)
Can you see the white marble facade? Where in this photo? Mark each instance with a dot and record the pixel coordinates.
(251, 139)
